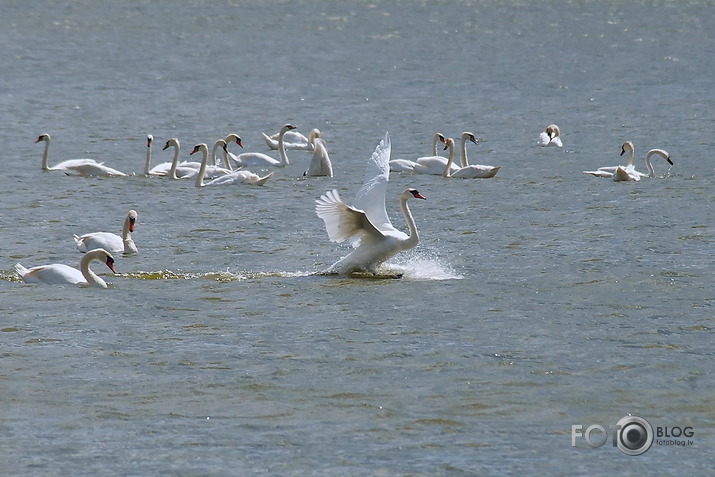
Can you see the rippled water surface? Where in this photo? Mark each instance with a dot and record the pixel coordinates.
(537, 300)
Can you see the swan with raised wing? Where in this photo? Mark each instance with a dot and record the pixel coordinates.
(320, 164)
(406, 165)
(109, 241)
(236, 177)
(258, 159)
(60, 274)
(293, 140)
(550, 137)
(365, 223)
(78, 167)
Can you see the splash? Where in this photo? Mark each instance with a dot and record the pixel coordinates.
(424, 267)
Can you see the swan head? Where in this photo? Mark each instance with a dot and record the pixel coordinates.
(234, 138)
(132, 218)
(171, 142)
(200, 147)
(552, 130)
(109, 260)
(449, 142)
(288, 127)
(101, 255)
(149, 139)
(627, 147)
(412, 194)
(469, 136)
(313, 135)
(42, 137)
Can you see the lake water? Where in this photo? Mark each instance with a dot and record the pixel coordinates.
(536, 301)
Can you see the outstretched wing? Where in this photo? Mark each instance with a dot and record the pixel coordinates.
(371, 196)
(343, 222)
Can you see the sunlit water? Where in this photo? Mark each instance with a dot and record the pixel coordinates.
(537, 300)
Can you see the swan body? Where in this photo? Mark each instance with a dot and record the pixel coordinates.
(550, 137)
(109, 241)
(259, 159)
(78, 167)
(628, 173)
(365, 224)
(427, 162)
(320, 164)
(236, 177)
(60, 274)
(467, 171)
(293, 140)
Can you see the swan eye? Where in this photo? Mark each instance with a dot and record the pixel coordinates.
(110, 260)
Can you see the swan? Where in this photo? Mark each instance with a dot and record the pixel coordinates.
(320, 164)
(79, 167)
(365, 224)
(550, 137)
(293, 140)
(111, 242)
(236, 177)
(405, 165)
(147, 164)
(226, 154)
(259, 159)
(467, 170)
(60, 274)
(628, 173)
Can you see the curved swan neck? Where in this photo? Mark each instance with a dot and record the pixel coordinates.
(448, 168)
(464, 162)
(435, 139)
(414, 237)
(202, 170)
(175, 161)
(649, 165)
(92, 278)
(282, 148)
(219, 142)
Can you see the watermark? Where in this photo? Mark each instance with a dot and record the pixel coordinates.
(633, 435)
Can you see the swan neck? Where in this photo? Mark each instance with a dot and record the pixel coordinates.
(282, 149)
(463, 153)
(414, 237)
(434, 144)
(147, 165)
(174, 163)
(631, 156)
(448, 168)
(92, 278)
(46, 156)
(202, 169)
(648, 160)
(213, 152)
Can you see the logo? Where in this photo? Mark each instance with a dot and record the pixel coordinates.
(632, 435)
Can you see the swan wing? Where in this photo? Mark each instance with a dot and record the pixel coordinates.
(370, 198)
(544, 139)
(55, 274)
(599, 173)
(108, 241)
(343, 222)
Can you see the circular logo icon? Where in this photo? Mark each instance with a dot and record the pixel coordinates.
(634, 435)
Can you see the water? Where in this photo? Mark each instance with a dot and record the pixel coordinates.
(537, 300)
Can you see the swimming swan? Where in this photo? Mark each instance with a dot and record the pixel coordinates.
(405, 165)
(365, 224)
(468, 171)
(550, 137)
(320, 164)
(628, 172)
(79, 167)
(60, 274)
(293, 140)
(109, 241)
(259, 159)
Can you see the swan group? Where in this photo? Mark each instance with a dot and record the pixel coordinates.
(365, 224)
(628, 173)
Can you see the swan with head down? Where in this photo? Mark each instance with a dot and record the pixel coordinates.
(60, 274)
(628, 173)
(550, 137)
(365, 223)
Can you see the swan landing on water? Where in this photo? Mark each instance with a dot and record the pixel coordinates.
(365, 223)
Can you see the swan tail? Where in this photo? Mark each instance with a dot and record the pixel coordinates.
(264, 179)
(20, 270)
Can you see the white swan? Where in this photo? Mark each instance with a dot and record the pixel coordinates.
(550, 137)
(236, 177)
(60, 274)
(628, 173)
(109, 241)
(320, 164)
(293, 140)
(147, 163)
(405, 165)
(187, 169)
(259, 159)
(228, 156)
(365, 224)
(79, 167)
(468, 171)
